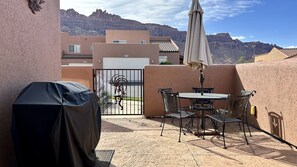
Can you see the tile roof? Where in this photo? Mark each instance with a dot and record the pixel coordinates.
(166, 45)
(77, 56)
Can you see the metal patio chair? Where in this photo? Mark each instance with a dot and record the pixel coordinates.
(165, 90)
(173, 109)
(202, 105)
(224, 117)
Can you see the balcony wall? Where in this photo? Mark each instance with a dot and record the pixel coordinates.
(83, 75)
(275, 83)
(182, 78)
(276, 97)
(30, 51)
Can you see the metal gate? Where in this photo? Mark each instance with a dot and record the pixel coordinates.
(120, 91)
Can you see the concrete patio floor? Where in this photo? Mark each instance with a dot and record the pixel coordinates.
(137, 143)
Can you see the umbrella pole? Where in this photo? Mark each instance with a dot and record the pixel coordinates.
(202, 78)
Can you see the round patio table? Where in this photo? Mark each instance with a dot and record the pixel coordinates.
(208, 96)
(205, 96)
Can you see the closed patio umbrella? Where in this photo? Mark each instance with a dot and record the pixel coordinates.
(197, 54)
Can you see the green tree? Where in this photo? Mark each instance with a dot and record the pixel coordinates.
(241, 60)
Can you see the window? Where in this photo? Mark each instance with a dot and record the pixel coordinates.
(162, 59)
(119, 41)
(74, 48)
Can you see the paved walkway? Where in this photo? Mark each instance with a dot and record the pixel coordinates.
(137, 143)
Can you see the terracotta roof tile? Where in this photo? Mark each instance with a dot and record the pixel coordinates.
(166, 45)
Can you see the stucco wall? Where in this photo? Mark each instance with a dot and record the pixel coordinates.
(85, 42)
(172, 57)
(275, 83)
(182, 78)
(131, 36)
(30, 51)
(273, 55)
(83, 75)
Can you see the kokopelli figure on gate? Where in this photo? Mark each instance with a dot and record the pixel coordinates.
(120, 84)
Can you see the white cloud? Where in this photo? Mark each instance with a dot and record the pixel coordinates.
(238, 37)
(220, 9)
(291, 46)
(169, 12)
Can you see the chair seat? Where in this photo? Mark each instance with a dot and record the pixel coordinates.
(224, 115)
(183, 114)
(223, 119)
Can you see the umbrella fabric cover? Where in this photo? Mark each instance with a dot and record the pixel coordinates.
(56, 124)
(196, 46)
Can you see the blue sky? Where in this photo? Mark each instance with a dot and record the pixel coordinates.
(268, 21)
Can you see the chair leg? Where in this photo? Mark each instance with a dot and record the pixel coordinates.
(192, 120)
(189, 124)
(180, 128)
(203, 133)
(244, 133)
(223, 134)
(247, 124)
(163, 124)
(214, 125)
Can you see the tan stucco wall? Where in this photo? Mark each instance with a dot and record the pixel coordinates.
(83, 75)
(30, 51)
(273, 55)
(131, 36)
(275, 83)
(182, 78)
(150, 51)
(85, 42)
(172, 57)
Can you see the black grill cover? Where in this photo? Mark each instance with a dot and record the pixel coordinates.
(56, 124)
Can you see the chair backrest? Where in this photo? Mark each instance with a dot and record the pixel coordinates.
(205, 90)
(162, 91)
(170, 101)
(245, 97)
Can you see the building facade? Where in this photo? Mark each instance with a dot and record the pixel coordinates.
(277, 54)
(119, 49)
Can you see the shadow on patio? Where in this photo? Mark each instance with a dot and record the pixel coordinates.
(137, 142)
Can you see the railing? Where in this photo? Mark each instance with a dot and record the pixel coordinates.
(120, 91)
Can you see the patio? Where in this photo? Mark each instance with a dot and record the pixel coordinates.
(137, 142)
